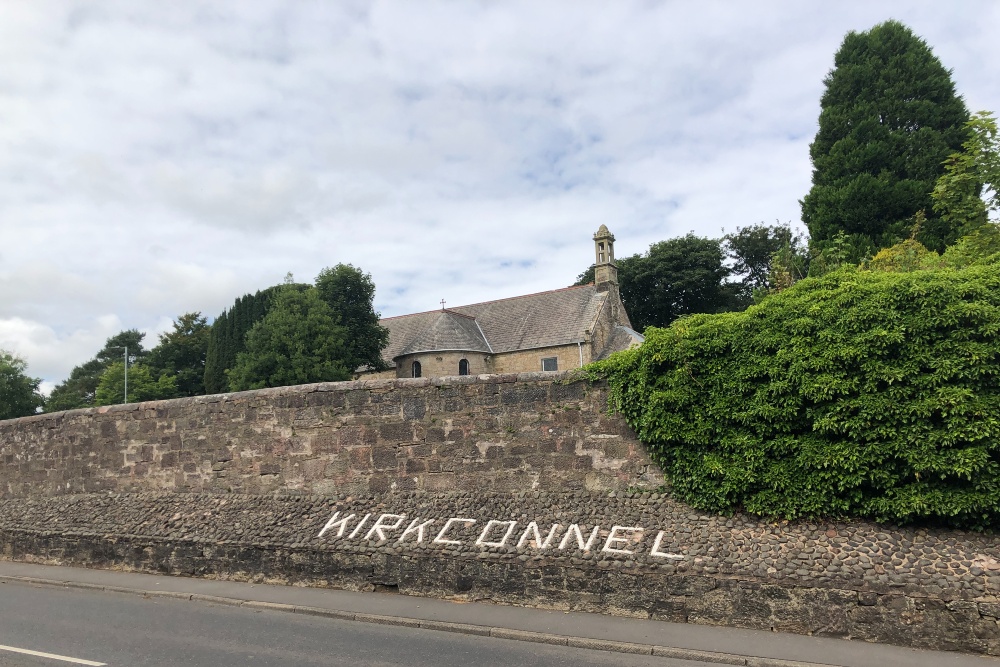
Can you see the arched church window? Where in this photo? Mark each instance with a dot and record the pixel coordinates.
(463, 367)
(415, 370)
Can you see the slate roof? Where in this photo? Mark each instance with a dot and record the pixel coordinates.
(447, 330)
(558, 317)
(622, 338)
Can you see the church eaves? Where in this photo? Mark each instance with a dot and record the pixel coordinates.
(557, 317)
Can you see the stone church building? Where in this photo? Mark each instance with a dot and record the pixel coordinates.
(549, 331)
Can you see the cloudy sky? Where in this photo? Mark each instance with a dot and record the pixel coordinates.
(158, 158)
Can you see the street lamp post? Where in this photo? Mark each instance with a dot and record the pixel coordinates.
(126, 367)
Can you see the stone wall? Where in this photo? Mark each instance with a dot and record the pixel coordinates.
(632, 554)
(524, 361)
(444, 364)
(501, 432)
(517, 489)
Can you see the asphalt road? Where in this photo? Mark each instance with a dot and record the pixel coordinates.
(128, 631)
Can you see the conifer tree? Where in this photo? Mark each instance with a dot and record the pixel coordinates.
(297, 342)
(228, 335)
(889, 118)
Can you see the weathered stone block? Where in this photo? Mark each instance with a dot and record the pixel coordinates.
(384, 458)
(395, 432)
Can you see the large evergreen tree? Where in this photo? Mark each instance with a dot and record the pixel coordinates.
(889, 118)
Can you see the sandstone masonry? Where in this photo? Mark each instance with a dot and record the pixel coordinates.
(498, 432)
(518, 489)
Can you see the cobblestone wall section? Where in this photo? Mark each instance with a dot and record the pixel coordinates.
(923, 588)
(498, 432)
(514, 488)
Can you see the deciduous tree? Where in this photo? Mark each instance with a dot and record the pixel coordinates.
(679, 276)
(79, 389)
(350, 293)
(142, 385)
(19, 395)
(970, 176)
(299, 341)
(753, 252)
(181, 353)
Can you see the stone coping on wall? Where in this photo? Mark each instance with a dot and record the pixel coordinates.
(383, 384)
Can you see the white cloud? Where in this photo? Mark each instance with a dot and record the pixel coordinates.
(160, 158)
(50, 355)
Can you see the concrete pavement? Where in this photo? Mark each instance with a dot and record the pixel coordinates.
(708, 644)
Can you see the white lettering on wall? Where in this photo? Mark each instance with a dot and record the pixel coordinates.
(380, 526)
(357, 528)
(498, 533)
(655, 551)
(447, 524)
(417, 528)
(532, 529)
(574, 529)
(614, 538)
(334, 522)
(489, 527)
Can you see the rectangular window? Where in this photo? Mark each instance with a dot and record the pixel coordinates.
(550, 364)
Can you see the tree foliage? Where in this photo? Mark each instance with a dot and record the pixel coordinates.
(299, 341)
(889, 118)
(675, 277)
(861, 393)
(79, 390)
(980, 247)
(143, 385)
(181, 354)
(19, 395)
(345, 289)
(969, 176)
(765, 257)
(227, 337)
(350, 293)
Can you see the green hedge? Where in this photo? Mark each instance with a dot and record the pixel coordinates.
(860, 393)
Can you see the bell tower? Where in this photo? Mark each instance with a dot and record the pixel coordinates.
(605, 271)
